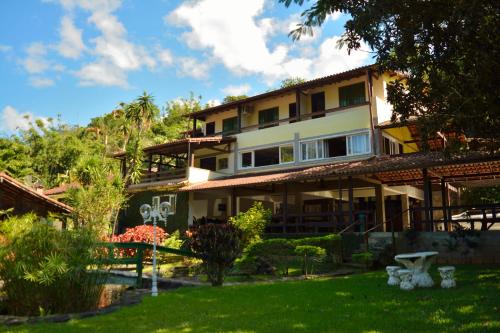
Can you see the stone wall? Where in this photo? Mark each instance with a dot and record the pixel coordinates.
(477, 248)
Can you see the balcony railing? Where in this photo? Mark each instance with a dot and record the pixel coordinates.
(284, 121)
(149, 177)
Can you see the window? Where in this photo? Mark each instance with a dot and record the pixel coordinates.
(268, 117)
(292, 112)
(352, 94)
(336, 147)
(172, 200)
(318, 104)
(312, 150)
(246, 160)
(391, 146)
(210, 128)
(286, 154)
(222, 163)
(268, 156)
(208, 163)
(229, 125)
(358, 144)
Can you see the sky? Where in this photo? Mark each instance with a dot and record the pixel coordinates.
(79, 59)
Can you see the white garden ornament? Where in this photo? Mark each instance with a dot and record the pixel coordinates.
(392, 271)
(405, 275)
(418, 263)
(447, 276)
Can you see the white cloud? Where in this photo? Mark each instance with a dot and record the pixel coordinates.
(213, 102)
(192, 67)
(234, 34)
(165, 57)
(102, 73)
(5, 48)
(71, 45)
(13, 120)
(35, 61)
(234, 90)
(41, 82)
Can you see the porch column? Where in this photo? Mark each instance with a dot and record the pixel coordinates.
(233, 201)
(341, 204)
(285, 203)
(240, 110)
(405, 206)
(297, 104)
(427, 199)
(380, 206)
(194, 127)
(444, 202)
(351, 201)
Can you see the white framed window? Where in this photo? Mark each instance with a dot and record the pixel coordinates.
(172, 200)
(246, 159)
(391, 146)
(358, 144)
(311, 150)
(337, 146)
(286, 154)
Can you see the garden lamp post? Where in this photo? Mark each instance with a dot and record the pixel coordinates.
(158, 212)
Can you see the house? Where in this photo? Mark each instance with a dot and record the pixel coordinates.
(23, 199)
(323, 155)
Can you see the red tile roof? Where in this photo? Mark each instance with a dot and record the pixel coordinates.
(403, 168)
(59, 206)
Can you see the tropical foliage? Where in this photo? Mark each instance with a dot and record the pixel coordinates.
(44, 269)
(449, 52)
(252, 223)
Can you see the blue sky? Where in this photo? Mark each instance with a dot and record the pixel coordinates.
(80, 58)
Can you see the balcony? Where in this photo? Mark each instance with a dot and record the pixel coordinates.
(173, 174)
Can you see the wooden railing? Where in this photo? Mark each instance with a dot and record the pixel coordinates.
(464, 215)
(279, 122)
(149, 177)
(321, 222)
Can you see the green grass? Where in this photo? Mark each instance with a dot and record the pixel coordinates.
(360, 303)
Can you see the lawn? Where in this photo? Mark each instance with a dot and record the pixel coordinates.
(358, 303)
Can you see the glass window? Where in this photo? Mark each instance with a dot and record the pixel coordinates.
(286, 154)
(268, 156)
(268, 117)
(230, 125)
(352, 94)
(312, 150)
(172, 200)
(359, 144)
(222, 163)
(336, 147)
(318, 104)
(246, 160)
(292, 112)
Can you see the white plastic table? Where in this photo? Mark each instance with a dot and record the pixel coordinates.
(419, 263)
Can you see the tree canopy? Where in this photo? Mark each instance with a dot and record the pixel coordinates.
(447, 51)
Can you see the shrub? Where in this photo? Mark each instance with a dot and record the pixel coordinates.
(315, 253)
(252, 223)
(276, 252)
(363, 258)
(140, 234)
(44, 270)
(331, 243)
(219, 245)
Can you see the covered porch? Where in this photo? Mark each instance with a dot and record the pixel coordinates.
(388, 193)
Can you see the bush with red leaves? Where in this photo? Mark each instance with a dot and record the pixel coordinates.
(139, 234)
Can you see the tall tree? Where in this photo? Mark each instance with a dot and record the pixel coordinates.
(291, 81)
(448, 52)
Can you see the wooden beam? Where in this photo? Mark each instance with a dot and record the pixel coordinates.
(351, 201)
(444, 203)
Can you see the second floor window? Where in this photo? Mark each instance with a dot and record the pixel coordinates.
(335, 147)
(222, 163)
(391, 146)
(292, 112)
(268, 117)
(318, 104)
(352, 94)
(230, 125)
